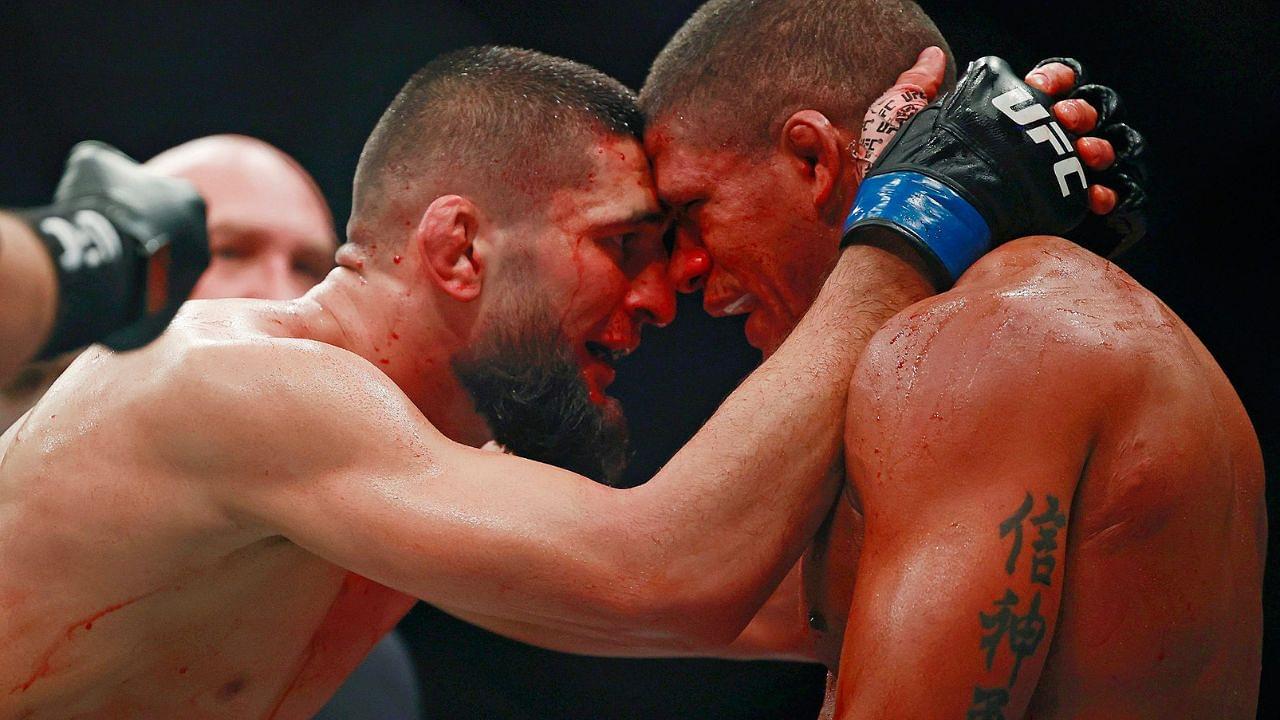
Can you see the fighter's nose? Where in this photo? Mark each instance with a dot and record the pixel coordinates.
(688, 268)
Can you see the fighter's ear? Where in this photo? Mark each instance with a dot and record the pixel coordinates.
(814, 143)
(446, 237)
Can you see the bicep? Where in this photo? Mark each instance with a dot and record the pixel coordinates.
(965, 594)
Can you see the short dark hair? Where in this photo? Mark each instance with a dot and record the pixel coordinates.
(742, 67)
(486, 120)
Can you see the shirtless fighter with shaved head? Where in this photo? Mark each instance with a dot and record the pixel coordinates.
(1054, 498)
(222, 523)
(271, 237)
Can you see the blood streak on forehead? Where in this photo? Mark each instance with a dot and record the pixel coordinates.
(616, 197)
(617, 189)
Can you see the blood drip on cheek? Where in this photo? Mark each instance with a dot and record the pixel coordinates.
(594, 393)
(396, 259)
(581, 284)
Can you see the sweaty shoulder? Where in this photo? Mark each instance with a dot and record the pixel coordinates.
(1036, 316)
(226, 397)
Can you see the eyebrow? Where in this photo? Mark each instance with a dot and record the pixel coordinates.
(255, 232)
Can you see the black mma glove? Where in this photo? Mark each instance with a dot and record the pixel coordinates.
(128, 246)
(1111, 234)
(986, 164)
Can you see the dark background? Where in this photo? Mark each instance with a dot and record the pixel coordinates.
(1200, 79)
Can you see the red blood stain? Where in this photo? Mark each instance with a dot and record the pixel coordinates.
(395, 336)
(385, 361)
(43, 666)
(396, 259)
(362, 612)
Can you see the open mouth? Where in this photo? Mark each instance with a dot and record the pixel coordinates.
(605, 354)
(741, 305)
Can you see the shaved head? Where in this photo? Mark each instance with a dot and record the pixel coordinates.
(248, 161)
(738, 69)
(271, 233)
(502, 126)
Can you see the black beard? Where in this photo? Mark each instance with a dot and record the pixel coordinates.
(526, 383)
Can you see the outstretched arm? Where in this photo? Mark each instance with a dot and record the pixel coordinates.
(683, 560)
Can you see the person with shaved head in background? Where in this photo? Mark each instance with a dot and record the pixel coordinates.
(271, 237)
(1054, 498)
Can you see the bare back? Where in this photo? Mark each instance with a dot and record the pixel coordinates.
(1048, 373)
(127, 591)
(1161, 615)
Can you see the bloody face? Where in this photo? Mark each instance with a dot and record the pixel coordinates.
(746, 231)
(570, 302)
(600, 259)
(526, 381)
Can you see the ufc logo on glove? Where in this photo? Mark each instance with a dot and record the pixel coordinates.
(1051, 132)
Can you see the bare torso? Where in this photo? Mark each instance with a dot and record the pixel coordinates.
(126, 592)
(1161, 609)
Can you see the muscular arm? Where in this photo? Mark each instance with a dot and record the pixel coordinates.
(778, 631)
(338, 461)
(28, 296)
(967, 434)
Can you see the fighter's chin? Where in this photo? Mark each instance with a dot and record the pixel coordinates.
(598, 376)
(762, 334)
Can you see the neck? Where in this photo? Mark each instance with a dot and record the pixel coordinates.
(386, 322)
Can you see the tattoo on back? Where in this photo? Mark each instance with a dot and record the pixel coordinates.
(1006, 627)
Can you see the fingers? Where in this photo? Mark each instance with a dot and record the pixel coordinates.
(1102, 200)
(1076, 116)
(1074, 64)
(1096, 153)
(1103, 99)
(1127, 142)
(1053, 79)
(928, 72)
(1129, 187)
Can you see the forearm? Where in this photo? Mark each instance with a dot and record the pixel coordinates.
(718, 527)
(779, 631)
(28, 295)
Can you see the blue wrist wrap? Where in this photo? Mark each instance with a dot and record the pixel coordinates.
(943, 225)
